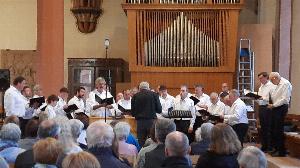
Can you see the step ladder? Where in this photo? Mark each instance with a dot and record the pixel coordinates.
(245, 80)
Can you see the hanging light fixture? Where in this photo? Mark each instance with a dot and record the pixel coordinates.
(86, 13)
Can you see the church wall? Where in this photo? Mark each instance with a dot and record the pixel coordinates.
(18, 24)
(295, 62)
(112, 24)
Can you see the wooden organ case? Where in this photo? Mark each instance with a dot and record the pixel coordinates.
(176, 42)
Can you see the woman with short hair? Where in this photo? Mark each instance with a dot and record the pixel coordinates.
(224, 148)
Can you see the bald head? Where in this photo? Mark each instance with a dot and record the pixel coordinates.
(177, 144)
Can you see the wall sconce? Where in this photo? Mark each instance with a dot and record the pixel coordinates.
(86, 13)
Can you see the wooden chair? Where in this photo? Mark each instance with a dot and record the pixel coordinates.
(194, 159)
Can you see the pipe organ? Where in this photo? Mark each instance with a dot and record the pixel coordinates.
(188, 37)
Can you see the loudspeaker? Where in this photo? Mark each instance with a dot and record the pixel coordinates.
(4, 79)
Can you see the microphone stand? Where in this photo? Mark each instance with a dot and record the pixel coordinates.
(106, 43)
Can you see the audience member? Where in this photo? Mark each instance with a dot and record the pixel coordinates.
(100, 137)
(12, 119)
(10, 134)
(47, 128)
(31, 129)
(155, 158)
(80, 160)
(45, 153)
(224, 148)
(252, 157)
(177, 150)
(150, 144)
(202, 136)
(122, 130)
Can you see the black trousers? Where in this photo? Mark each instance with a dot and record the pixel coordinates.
(23, 123)
(143, 129)
(265, 123)
(241, 131)
(183, 126)
(277, 131)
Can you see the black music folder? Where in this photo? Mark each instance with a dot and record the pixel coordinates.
(216, 118)
(44, 108)
(123, 110)
(71, 108)
(39, 100)
(195, 99)
(250, 94)
(108, 101)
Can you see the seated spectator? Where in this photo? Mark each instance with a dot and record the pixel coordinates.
(152, 145)
(12, 119)
(31, 129)
(10, 134)
(202, 136)
(100, 137)
(224, 147)
(47, 128)
(3, 163)
(80, 160)
(156, 157)
(45, 153)
(122, 130)
(177, 151)
(252, 157)
(67, 138)
(130, 139)
(82, 137)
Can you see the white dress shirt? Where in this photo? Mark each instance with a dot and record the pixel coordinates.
(264, 91)
(126, 104)
(91, 102)
(166, 103)
(29, 110)
(188, 105)
(78, 102)
(204, 100)
(59, 108)
(50, 111)
(217, 109)
(282, 93)
(237, 113)
(14, 102)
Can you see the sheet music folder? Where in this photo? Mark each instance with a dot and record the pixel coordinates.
(123, 110)
(71, 108)
(250, 94)
(39, 100)
(211, 116)
(195, 99)
(108, 101)
(179, 113)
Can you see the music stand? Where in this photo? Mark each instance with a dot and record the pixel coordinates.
(180, 114)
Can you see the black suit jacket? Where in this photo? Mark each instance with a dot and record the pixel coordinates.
(145, 104)
(176, 162)
(217, 161)
(156, 157)
(25, 160)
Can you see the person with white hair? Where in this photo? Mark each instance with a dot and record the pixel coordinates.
(122, 130)
(281, 97)
(10, 134)
(237, 116)
(202, 136)
(156, 157)
(252, 157)
(177, 150)
(100, 109)
(100, 137)
(216, 107)
(144, 106)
